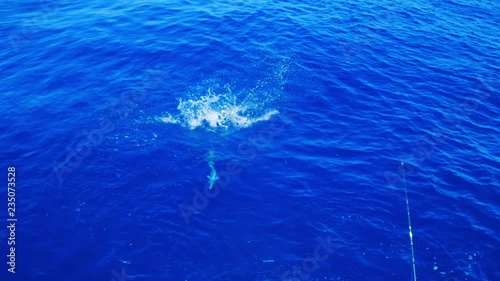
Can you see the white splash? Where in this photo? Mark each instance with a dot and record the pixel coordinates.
(214, 110)
(169, 119)
(214, 106)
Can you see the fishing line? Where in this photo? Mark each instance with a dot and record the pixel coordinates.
(409, 225)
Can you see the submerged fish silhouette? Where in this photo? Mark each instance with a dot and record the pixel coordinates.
(212, 178)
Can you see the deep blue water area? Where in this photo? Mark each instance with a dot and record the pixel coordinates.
(250, 140)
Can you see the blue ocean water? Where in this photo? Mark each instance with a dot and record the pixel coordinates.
(114, 112)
